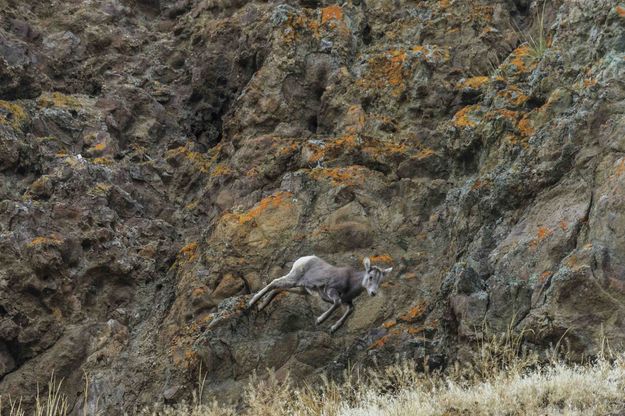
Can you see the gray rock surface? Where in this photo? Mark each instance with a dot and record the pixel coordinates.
(161, 160)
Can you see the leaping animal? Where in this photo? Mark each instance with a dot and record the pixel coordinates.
(336, 285)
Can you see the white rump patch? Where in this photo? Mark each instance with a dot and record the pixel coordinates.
(301, 262)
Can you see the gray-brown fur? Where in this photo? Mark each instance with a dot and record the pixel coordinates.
(335, 285)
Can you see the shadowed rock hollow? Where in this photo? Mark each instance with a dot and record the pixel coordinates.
(161, 160)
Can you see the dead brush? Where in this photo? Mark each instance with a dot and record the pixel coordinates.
(503, 352)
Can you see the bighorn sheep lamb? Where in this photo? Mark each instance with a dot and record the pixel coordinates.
(335, 285)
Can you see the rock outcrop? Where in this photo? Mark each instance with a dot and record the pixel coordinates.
(161, 160)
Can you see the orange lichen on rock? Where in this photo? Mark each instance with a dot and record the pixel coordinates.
(189, 252)
(301, 24)
(431, 53)
(388, 147)
(488, 29)
(386, 69)
(186, 358)
(201, 161)
(542, 234)
(483, 12)
(382, 258)
(99, 146)
(416, 330)
(525, 127)
(198, 291)
(516, 140)
(522, 59)
(352, 144)
(620, 10)
(384, 148)
(513, 95)
(272, 201)
(544, 276)
(349, 176)
(333, 12)
(414, 313)
(510, 115)
(392, 67)
(620, 167)
(424, 153)
(389, 324)
(221, 170)
(335, 147)
(474, 83)
(44, 241)
(380, 342)
(468, 116)
(288, 149)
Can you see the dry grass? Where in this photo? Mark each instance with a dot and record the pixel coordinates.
(557, 389)
(538, 42)
(54, 403)
(502, 379)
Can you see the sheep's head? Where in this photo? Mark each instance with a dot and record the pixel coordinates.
(373, 276)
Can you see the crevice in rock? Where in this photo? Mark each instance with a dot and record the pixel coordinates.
(367, 38)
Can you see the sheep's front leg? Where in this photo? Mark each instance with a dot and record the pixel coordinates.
(327, 313)
(337, 325)
(334, 296)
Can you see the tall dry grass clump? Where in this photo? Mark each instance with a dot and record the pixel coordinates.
(53, 403)
(538, 39)
(503, 378)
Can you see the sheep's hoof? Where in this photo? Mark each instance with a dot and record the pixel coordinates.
(333, 329)
(318, 321)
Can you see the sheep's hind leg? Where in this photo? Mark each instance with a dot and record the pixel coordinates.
(269, 298)
(260, 294)
(282, 283)
(271, 295)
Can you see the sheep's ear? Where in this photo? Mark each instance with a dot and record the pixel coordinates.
(387, 271)
(367, 264)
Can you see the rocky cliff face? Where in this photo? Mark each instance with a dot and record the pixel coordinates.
(160, 160)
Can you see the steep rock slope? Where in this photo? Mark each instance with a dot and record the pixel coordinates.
(161, 160)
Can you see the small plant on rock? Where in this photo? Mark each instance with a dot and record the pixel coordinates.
(539, 42)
